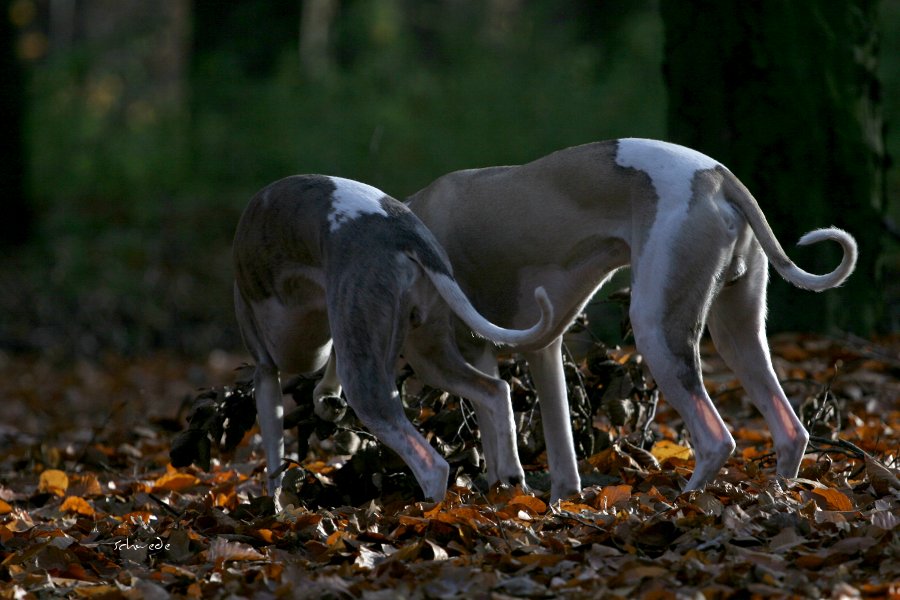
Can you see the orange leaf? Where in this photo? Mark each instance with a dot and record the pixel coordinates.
(575, 507)
(753, 436)
(535, 505)
(174, 482)
(229, 500)
(320, 467)
(460, 515)
(78, 505)
(666, 449)
(752, 453)
(611, 495)
(267, 535)
(53, 482)
(831, 499)
(85, 485)
(434, 512)
(335, 538)
(623, 358)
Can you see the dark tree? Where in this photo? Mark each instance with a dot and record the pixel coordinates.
(16, 222)
(784, 93)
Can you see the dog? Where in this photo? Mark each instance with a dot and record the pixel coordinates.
(334, 273)
(698, 246)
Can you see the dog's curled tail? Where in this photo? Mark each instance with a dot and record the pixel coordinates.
(818, 283)
(737, 193)
(450, 291)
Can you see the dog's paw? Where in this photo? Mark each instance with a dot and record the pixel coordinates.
(330, 408)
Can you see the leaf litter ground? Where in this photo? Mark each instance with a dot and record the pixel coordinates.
(90, 505)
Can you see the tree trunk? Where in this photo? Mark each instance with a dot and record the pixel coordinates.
(16, 222)
(785, 94)
(316, 21)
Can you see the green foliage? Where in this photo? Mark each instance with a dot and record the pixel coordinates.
(137, 201)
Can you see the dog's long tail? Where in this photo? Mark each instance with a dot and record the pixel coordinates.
(432, 259)
(740, 196)
(453, 295)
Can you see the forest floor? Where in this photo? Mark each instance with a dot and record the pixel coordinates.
(90, 506)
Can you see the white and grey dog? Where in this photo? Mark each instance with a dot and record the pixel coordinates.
(329, 267)
(698, 245)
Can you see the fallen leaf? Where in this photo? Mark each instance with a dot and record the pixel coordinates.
(885, 520)
(535, 505)
(666, 449)
(831, 499)
(78, 505)
(221, 551)
(175, 482)
(612, 495)
(882, 479)
(84, 485)
(53, 481)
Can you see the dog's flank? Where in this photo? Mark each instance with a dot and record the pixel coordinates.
(332, 272)
(698, 246)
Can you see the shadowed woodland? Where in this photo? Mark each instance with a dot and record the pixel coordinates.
(136, 132)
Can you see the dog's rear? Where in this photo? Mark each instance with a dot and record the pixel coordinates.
(332, 268)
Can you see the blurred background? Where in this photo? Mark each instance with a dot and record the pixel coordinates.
(135, 131)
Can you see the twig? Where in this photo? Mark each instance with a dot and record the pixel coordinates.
(844, 446)
(98, 429)
(869, 349)
(165, 506)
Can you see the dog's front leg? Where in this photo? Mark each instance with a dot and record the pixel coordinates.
(549, 380)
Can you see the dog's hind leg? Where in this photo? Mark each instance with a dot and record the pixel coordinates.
(672, 286)
(737, 327)
(437, 361)
(549, 380)
(368, 333)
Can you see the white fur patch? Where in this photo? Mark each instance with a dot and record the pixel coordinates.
(353, 199)
(671, 167)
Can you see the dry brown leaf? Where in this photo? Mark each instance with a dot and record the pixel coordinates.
(84, 485)
(885, 520)
(221, 551)
(745, 534)
(883, 480)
